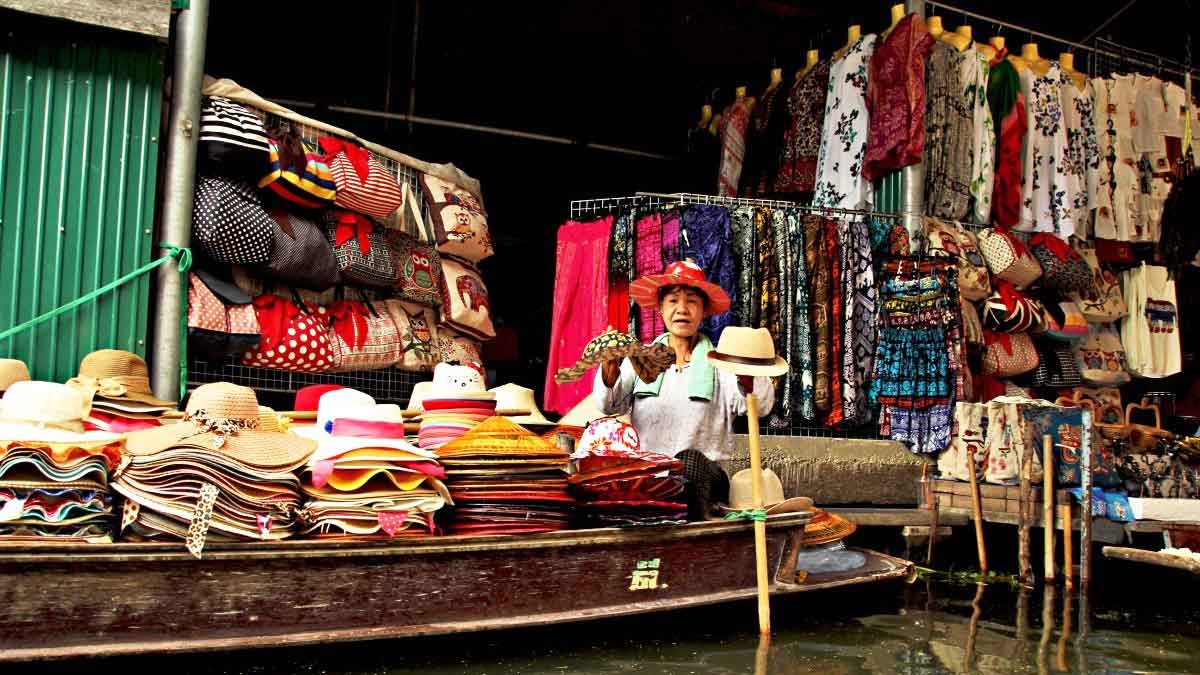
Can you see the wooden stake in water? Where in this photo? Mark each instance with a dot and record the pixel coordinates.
(760, 527)
(1048, 505)
(977, 514)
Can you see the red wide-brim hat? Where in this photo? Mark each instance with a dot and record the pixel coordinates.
(644, 291)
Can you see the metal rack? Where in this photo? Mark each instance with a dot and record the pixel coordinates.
(387, 385)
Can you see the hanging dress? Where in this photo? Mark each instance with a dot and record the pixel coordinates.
(802, 131)
(896, 98)
(1083, 150)
(1007, 106)
(840, 181)
(1047, 200)
(975, 74)
(733, 146)
(949, 135)
(818, 267)
(706, 237)
(764, 136)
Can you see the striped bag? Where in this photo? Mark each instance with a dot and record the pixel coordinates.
(232, 139)
(363, 184)
(361, 248)
(310, 186)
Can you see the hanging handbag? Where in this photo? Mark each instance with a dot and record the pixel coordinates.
(300, 255)
(361, 249)
(417, 326)
(459, 218)
(972, 326)
(967, 449)
(297, 173)
(221, 319)
(1008, 441)
(1008, 258)
(229, 223)
(232, 141)
(295, 336)
(1063, 321)
(1116, 252)
(1056, 367)
(1008, 310)
(1144, 437)
(465, 305)
(362, 337)
(1101, 300)
(954, 241)
(1008, 354)
(418, 269)
(363, 183)
(1103, 357)
(1062, 267)
(454, 347)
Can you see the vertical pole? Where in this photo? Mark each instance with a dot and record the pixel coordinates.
(1068, 570)
(977, 514)
(912, 178)
(760, 527)
(1085, 519)
(1048, 506)
(191, 32)
(1025, 566)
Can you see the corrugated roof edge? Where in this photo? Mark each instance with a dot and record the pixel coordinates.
(234, 91)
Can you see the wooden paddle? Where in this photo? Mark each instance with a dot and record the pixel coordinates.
(760, 526)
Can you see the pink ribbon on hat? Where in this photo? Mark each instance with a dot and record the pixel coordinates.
(392, 522)
(264, 525)
(358, 156)
(344, 426)
(350, 225)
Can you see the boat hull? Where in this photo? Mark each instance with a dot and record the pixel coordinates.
(80, 600)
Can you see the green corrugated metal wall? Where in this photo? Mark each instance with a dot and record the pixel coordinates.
(79, 126)
(888, 193)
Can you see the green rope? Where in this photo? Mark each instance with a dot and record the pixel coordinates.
(748, 514)
(180, 253)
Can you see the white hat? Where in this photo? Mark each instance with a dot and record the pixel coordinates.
(585, 411)
(515, 397)
(747, 351)
(458, 382)
(332, 405)
(44, 411)
(330, 445)
(420, 392)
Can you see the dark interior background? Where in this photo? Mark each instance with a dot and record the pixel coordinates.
(630, 73)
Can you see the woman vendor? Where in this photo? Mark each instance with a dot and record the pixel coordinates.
(692, 404)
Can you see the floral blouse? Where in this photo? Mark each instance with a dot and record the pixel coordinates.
(1083, 151)
(1047, 197)
(802, 135)
(896, 98)
(949, 135)
(975, 72)
(840, 181)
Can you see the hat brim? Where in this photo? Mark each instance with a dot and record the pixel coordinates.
(14, 432)
(299, 414)
(644, 291)
(262, 449)
(737, 365)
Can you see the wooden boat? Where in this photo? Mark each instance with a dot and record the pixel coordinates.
(70, 600)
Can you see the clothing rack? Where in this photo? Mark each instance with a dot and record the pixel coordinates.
(587, 207)
(1167, 65)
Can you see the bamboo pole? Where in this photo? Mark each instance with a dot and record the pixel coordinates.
(977, 513)
(1064, 511)
(1024, 565)
(1063, 665)
(1048, 506)
(760, 526)
(1043, 653)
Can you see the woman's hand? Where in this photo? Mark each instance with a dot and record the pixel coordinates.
(610, 370)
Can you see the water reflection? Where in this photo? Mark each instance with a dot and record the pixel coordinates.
(928, 627)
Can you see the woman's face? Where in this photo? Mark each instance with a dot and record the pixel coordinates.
(682, 310)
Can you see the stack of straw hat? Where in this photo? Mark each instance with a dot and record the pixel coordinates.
(455, 403)
(116, 386)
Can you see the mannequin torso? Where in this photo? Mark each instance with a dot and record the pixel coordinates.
(853, 33)
(1067, 61)
(897, 15)
(934, 24)
(1029, 53)
(706, 114)
(776, 78)
(810, 60)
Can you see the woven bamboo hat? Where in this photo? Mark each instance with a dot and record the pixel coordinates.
(741, 494)
(224, 418)
(116, 375)
(11, 372)
(747, 351)
(826, 528)
(500, 437)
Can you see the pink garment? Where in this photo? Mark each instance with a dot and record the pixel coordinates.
(657, 247)
(580, 306)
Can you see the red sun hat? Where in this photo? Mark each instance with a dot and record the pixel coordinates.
(644, 291)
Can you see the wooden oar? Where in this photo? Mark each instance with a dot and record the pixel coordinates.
(760, 526)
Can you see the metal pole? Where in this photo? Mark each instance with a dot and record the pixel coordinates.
(912, 177)
(191, 33)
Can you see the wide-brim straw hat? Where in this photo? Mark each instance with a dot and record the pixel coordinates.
(11, 372)
(116, 375)
(515, 397)
(644, 291)
(826, 528)
(747, 351)
(46, 412)
(499, 436)
(741, 494)
(224, 418)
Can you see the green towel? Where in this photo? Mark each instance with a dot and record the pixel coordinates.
(701, 377)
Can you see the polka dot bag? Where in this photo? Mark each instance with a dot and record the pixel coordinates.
(295, 336)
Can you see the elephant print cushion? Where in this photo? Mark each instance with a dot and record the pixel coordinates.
(465, 300)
